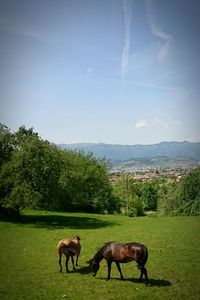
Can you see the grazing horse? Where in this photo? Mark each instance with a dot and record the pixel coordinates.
(69, 248)
(121, 253)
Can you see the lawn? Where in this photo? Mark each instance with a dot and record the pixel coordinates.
(29, 263)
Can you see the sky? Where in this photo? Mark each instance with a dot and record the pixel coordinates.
(109, 71)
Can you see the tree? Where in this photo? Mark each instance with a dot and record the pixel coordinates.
(189, 194)
(36, 174)
(181, 198)
(6, 144)
(30, 178)
(23, 134)
(149, 193)
(85, 184)
(167, 201)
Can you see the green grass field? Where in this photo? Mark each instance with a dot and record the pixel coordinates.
(29, 263)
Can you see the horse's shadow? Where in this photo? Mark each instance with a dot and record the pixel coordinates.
(152, 282)
(82, 270)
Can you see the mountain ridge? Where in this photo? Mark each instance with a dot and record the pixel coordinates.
(121, 152)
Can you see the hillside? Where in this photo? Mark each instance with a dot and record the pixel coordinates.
(154, 163)
(130, 152)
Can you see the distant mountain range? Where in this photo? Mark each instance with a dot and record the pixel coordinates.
(118, 153)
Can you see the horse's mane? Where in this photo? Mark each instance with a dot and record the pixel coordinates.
(98, 254)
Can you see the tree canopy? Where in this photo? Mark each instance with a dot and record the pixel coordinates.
(37, 174)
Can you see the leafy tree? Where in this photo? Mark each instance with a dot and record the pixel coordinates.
(136, 206)
(149, 193)
(85, 184)
(167, 200)
(129, 194)
(30, 178)
(188, 196)
(22, 135)
(6, 144)
(181, 198)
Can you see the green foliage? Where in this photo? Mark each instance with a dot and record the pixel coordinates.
(22, 135)
(188, 195)
(136, 206)
(85, 184)
(30, 178)
(136, 197)
(149, 193)
(6, 144)
(36, 174)
(181, 198)
(167, 196)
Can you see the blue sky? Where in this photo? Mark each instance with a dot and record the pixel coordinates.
(112, 71)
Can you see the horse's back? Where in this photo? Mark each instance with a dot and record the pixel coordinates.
(139, 251)
(125, 252)
(66, 245)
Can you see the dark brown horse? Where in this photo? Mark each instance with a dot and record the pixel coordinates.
(121, 253)
(69, 248)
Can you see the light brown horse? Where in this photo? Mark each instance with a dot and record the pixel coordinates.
(69, 248)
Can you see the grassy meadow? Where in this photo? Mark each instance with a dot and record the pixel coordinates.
(29, 262)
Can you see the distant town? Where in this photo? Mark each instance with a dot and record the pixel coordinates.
(152, 174)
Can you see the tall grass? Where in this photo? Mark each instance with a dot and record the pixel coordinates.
(29, 262)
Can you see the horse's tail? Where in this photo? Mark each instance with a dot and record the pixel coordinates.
(59, 248)
(144, 258)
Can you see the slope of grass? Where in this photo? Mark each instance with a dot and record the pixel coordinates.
(29, 263)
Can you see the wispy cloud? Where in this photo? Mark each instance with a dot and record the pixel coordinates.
(141, 124)
(127, 11)
(15, 27)
(89, 72)
(156, 31)
(177, 123)
(157, 122)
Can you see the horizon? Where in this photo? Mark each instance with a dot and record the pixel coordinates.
(125, 72)
(101, 143)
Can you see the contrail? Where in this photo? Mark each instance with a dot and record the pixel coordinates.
(127, 11)
(158, 32)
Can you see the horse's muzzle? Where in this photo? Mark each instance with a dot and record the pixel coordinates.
(94, 274)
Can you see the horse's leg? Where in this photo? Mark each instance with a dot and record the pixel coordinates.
(59, 262)
(146, 276)
(141, 270)
(144, 271)
(119, 269)
(72, 258)
(66, 263)
(109, 263)
(77, 260)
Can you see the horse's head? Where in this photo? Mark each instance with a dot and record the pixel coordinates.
(76, 237)
(94, 266)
